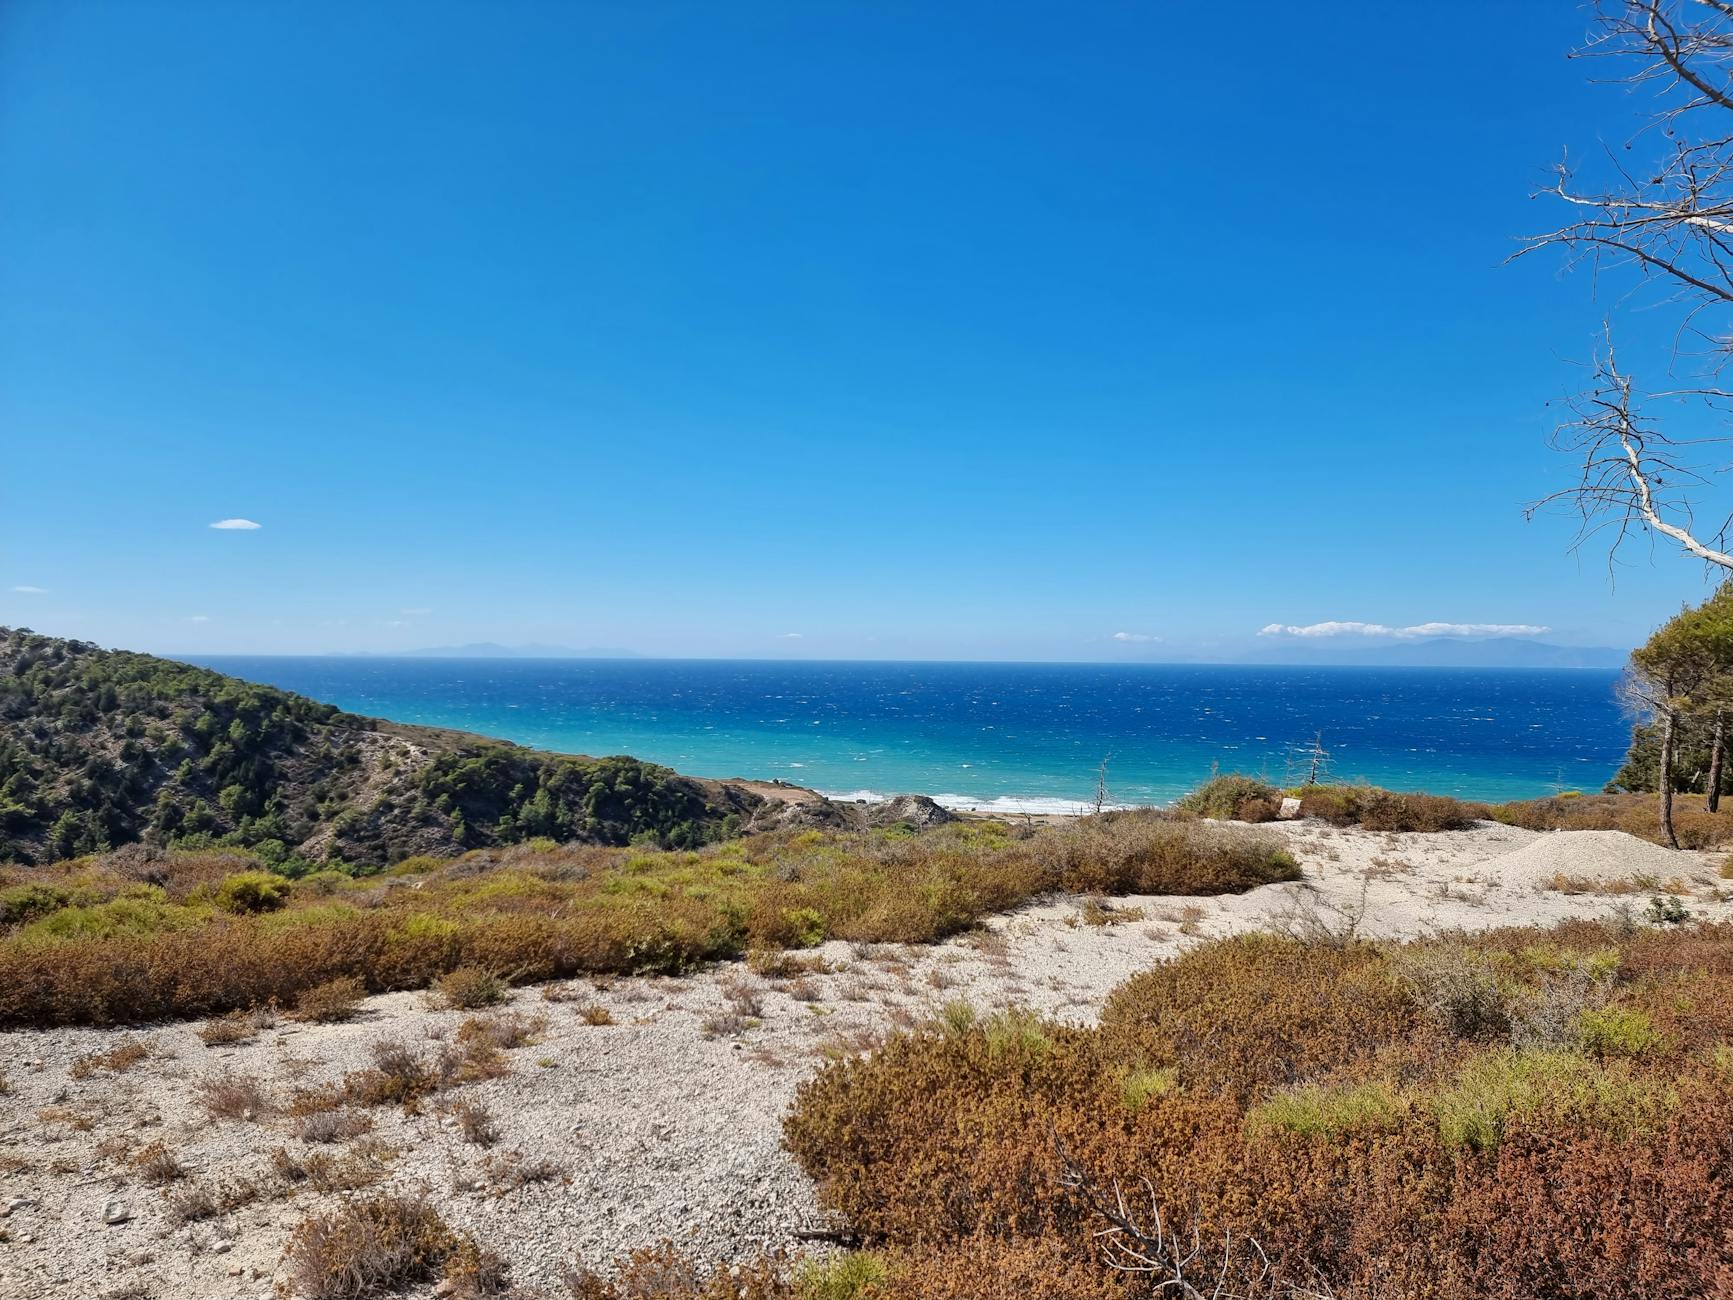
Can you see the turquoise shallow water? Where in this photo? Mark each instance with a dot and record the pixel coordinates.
(1010, 736)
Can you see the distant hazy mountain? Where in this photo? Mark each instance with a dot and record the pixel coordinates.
(493, 650)
(1452, 652)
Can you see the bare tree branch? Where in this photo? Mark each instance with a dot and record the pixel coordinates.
(1175, 1259)
(1669, 227)
(1632, 474)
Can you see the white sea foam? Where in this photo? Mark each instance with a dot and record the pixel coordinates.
(1016, 804)
(1010, 805)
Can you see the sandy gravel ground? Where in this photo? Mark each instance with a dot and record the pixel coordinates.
(666, 1123)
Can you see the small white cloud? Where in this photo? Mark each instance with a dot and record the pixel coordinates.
(1137, 637)
(27, 590)
(236, 525)
(1349, 628)
(791, 636)
(199, 618)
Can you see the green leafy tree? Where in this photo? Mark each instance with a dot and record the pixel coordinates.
(1685, 668)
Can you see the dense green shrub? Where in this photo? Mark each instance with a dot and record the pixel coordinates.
(1233, 796)
(253, 891)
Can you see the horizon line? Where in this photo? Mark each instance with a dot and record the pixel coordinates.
(760, 659)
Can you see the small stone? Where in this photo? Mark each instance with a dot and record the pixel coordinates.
(116, 1212)
(223, 1247)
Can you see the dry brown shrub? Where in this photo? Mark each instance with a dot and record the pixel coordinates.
(1145, 852)
(724, 1024)
(233, 1028)
(503, 1031)
(352, 1171)
(661, 1272)
(513, 1171)
(370, 1247)
(233, 1097)
(474, 1122)
(117, 1060)
(743, 998)
(949, 1149)
(323, 1127)
(549, 916)
(194, 1205)
(400, 1076)
(1256, 1012)
(469, 988)
(1259, 810)
(331, 1002)
(779, 964)
(1635, 814)
(1388, 810)
(157, 1165)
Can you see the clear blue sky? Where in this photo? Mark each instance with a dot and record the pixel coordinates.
(959, 331)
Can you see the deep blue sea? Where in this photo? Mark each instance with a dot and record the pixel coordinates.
(1006, 736)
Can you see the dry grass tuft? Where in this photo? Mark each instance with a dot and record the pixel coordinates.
(118, 1060)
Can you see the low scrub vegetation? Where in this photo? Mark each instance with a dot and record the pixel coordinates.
(1237, 797)
(1533, 1114)
(468, 988)
(1233, 797)
(384, 1244)
(1635, 814)
(1249, 799)
(1387, 810)
(90, 942)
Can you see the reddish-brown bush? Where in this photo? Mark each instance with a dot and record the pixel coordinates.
(1306, 1097)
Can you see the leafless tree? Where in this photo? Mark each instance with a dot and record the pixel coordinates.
(1665, 231)
(1101, 795)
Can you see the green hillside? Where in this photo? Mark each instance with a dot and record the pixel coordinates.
(100, 748)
